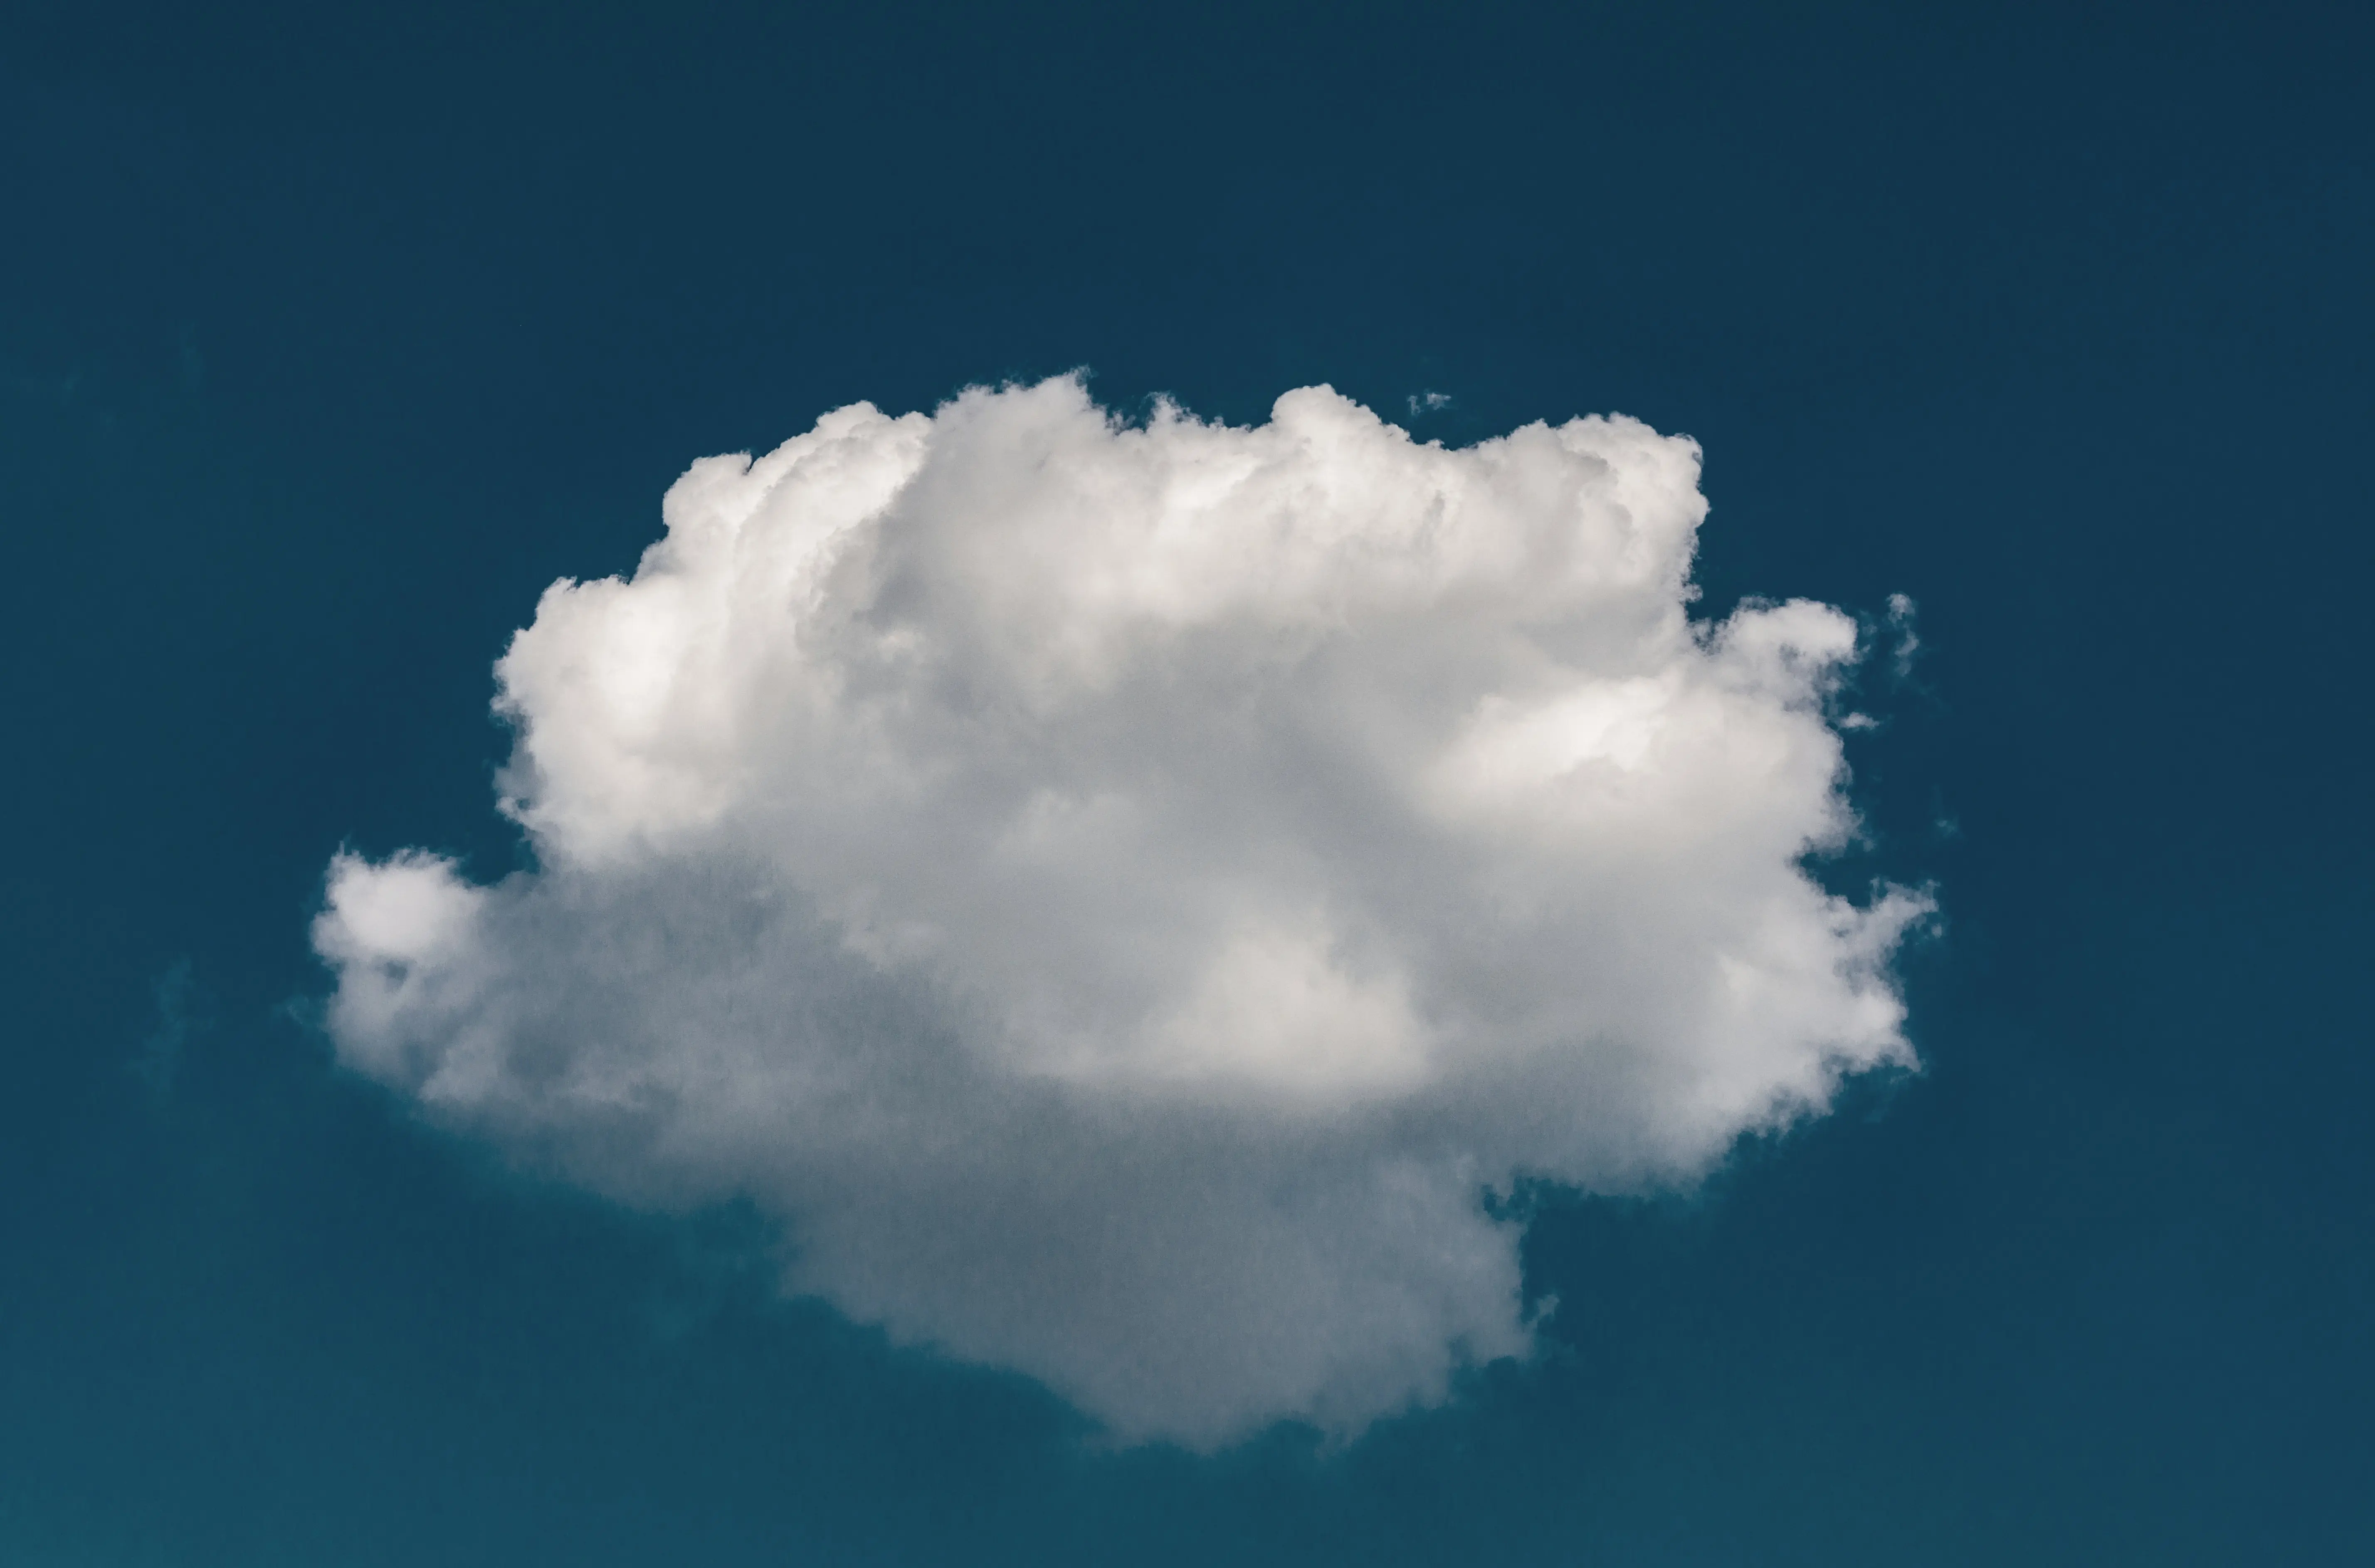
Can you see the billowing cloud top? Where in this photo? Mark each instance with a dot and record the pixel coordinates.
(1121, 893)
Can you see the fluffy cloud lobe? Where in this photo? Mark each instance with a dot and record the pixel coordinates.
(1121, 893)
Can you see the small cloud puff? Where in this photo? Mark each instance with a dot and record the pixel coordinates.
(1909, 645)
(1122, 894)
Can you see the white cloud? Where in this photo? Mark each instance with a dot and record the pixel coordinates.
(1121, 894)
(1909, 645)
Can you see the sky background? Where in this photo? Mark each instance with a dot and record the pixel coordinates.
(328, 336)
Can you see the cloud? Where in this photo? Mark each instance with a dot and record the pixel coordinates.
(1121, 894)
(1908, 644)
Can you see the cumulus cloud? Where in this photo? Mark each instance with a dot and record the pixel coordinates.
(1121, 894)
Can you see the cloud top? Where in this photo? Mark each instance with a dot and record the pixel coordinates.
(1121, 893)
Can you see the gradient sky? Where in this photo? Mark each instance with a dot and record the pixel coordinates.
(330, 336)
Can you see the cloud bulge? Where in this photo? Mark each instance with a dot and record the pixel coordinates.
(1120, 893)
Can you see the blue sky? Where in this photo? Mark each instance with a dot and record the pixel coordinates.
(326, 343)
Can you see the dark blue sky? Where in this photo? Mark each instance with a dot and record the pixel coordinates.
(327, 338)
